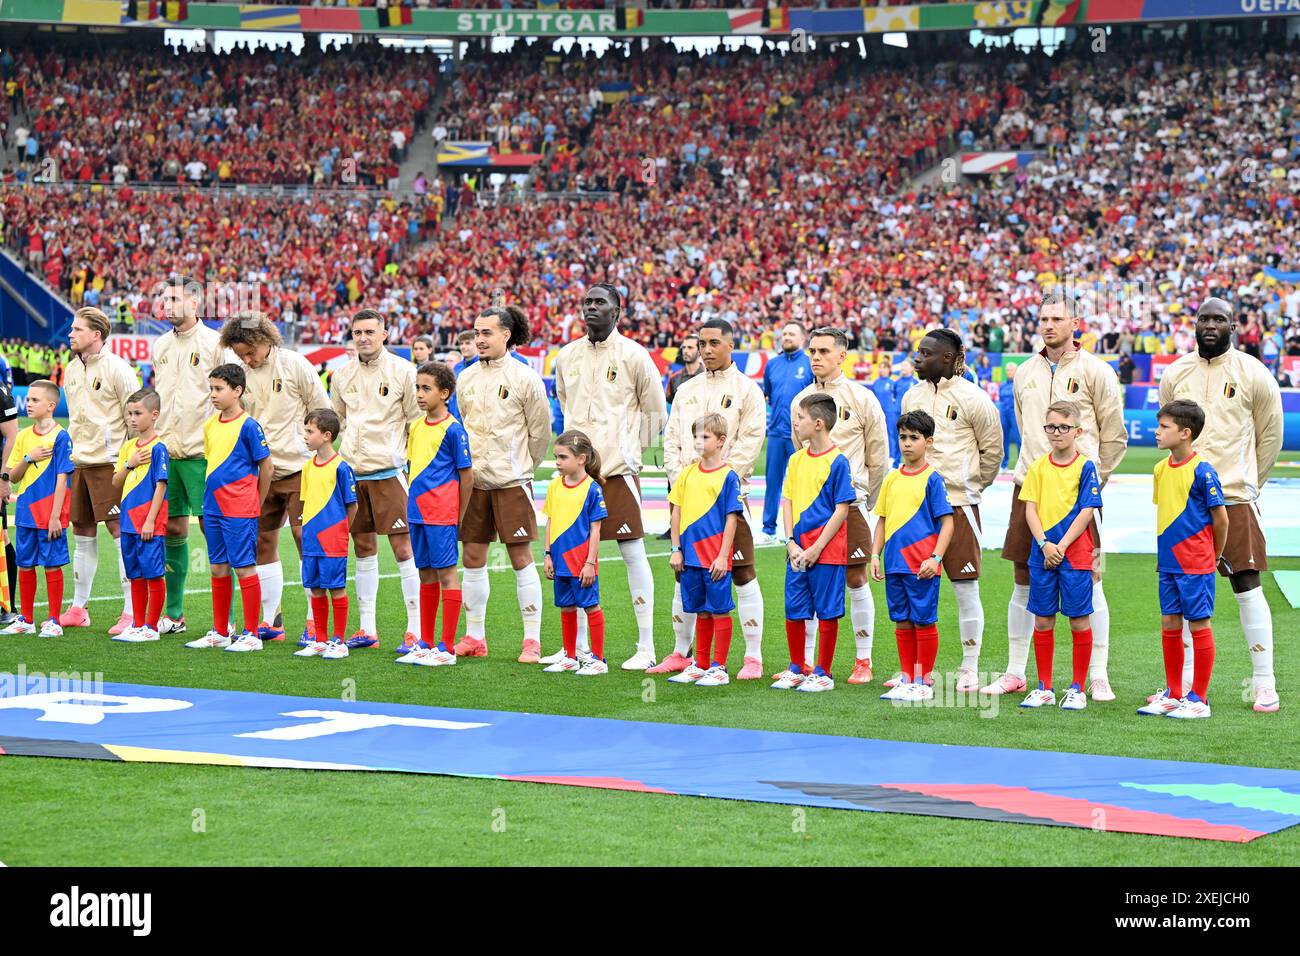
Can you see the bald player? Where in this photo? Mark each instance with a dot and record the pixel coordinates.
(282, 387)
(609, 389)
(1241, 439)
(967, 453)
(725, 389)
(1062, 371)
(182, 358)
(860, 435)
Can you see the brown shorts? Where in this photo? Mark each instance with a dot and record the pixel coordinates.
(504, 513)
(742, 545)
(92, 496)
(961, 562)
(1019, 542)
(859, 537)
(1245, 549)
(283, 500)
(623, 502)
(381, 507)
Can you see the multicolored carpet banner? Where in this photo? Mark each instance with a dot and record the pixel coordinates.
(44, 716)
(548, 20)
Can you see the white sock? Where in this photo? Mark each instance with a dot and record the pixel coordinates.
(1100, 634)
(410, 593)
(84, 563)
(271, 577)
(641, 585)
(862, 614)
(1020, 624)
(1257, 625)
(528, 588)
(368, 591)
(749, 605)
(683, 624)
(123, 580)
(584, 639)
(810, 641)
(1189, 658)
(970, 622)
(475, 590)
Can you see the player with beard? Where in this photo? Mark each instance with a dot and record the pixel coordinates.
(689, 353)
(967, 453)
(1241, 440)
(609, 389)
(282, 387)
(859, 434)
(1062, 371)
(725, 389)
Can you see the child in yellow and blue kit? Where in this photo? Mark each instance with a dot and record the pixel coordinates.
(574, 509)
(39, 466)
(141, 475)
(911, 536)
(1061, 492)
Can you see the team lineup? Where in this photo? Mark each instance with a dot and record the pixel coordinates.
(240, 433)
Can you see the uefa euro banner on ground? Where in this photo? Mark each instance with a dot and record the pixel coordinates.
(556, 21)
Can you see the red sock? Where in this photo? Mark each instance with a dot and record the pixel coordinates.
(927, 649)
(569, 631)
(703, 641)
(320, 616)
(721, 639)
(27, 593)
(1082, 655)
(157, 598)
(906, 638)
(221, 591)
(250, 596)
(54, 590)
(596, 630)
(340, 615)
(1202, 661)
(428, 612)
(1171, 642)
(1043, 646)
(794, 634)
(450, 617)
(827, 632)
(139, 601)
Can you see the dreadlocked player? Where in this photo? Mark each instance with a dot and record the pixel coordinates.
(967, 453)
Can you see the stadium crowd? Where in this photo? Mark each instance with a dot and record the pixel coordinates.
(775, 192)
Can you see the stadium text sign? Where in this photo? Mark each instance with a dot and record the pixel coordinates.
(510, 23)
(133, 348)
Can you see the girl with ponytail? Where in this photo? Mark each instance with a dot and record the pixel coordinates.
(574, 509)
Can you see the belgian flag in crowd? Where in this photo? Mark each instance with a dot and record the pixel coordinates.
(175, 10)
(144, 10)
(399, 16)
(629, 18)
(776, 19)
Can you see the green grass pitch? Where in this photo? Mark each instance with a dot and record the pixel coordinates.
(71, 812)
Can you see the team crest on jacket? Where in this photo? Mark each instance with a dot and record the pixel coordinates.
(194, 360)
(502, 392)
(277, 385)
(1229, 389)
(844, 413)
(97, 384)
(611, 373)
(1072, 386)
(951, 413)
(383, 389)
(726, 401)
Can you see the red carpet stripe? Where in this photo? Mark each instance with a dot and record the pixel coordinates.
(1083, 813)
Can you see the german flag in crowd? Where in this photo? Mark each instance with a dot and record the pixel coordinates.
(399, 16)
(176, 10)
(629, 18)
(776, 19)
